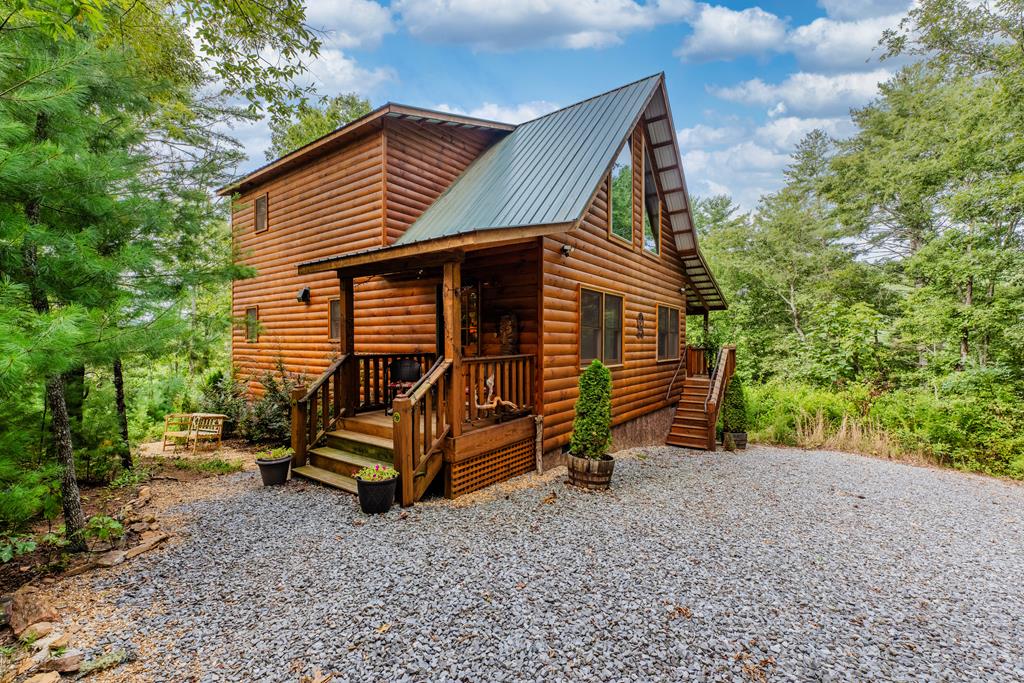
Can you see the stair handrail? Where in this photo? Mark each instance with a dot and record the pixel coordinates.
(672, 384)
(724, 368)
(324, 377)
(420, 429)
(429, 379)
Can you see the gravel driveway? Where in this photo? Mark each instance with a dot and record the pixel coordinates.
(773, 564)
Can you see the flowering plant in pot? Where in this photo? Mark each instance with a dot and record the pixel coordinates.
(274, 465)
(376, 486)
(590, 465)
(734, 413)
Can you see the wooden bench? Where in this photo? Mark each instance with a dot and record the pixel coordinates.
(192, 428)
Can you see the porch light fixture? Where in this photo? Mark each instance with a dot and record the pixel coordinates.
(567, 249)
(303, 296)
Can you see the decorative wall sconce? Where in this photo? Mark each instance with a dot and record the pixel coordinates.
(567, 249)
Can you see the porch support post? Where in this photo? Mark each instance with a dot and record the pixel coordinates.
(347, 345)
(451, 284)
(707, 326)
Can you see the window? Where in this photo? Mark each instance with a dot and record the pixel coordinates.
(261, 213)
(668, 333)
(600, 327)
(620, 197)
(334, 319)
(252, 324)
(652, 210)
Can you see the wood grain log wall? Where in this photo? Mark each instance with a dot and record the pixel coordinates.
(644, 281)
(358, 197)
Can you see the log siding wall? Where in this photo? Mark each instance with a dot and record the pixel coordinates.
(361, 196)
(644, 280)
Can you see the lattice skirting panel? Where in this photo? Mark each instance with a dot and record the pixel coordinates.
(493, 466)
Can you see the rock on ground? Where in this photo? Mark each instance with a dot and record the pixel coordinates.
(768, 563)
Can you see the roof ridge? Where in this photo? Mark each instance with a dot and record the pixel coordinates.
(593, 97)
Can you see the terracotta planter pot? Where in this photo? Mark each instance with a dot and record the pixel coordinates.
(376, 497)
(274, 472)
(591, 474)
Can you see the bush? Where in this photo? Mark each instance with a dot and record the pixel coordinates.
(268, 419)
(734, 407)
(592, 426)
(225, 394)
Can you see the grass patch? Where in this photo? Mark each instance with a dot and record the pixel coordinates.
(207, 465)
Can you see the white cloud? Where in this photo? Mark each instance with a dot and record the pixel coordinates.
(333, 72)
(701, 136)
(744, 171)
(349, 23)
(860, 9)
(503, 25)
(783, 133)
(825, 44)
(808, 93)
(723, 33)
(517, 113)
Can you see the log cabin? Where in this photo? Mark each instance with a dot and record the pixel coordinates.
(438, 282)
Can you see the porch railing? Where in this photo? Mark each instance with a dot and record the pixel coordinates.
(696, 361)
(421, 422)
(513, 381)
(316, 410)
(375, 376)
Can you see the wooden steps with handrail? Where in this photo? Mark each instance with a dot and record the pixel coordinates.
(363, 440)
(693, 425)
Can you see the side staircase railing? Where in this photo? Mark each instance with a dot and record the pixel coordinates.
(722, 373)
(421, 418)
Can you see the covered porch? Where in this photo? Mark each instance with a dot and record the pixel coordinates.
(464, 410)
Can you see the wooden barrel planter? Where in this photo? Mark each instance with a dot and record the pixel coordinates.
(591, 474)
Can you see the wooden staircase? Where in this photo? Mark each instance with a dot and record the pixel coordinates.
(690, 424)
(363, 440)
(693, 425)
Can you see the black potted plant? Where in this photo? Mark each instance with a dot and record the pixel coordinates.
(376, 486)
(734, 413)
(590, 465)
(274, 465)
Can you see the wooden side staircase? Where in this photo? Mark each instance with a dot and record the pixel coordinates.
(363, 440)
(693, 425)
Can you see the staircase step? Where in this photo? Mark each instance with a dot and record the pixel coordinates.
(372, 424)
(345, 463)
(370, 445)
(694, 422)
(333, 479)
(696, 444)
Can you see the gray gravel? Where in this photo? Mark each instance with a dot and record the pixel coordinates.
(773, 564)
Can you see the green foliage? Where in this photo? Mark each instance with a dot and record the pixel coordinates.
(207, 465)
(377, 473)
(592, 426)
(15, 546)
(310, 122)
(268, 418)
(131, 478)
(103, 528)
(275, 453)
(226, 394)
(734, 407)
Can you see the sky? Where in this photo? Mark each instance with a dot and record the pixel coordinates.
(746, 80)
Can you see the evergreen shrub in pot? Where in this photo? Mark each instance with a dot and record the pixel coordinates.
(734, 413)
(376, 487)
(590, 465)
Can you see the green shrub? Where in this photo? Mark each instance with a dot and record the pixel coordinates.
(592, 426)
(268, 419)
(734, 407)
(227, 395)
(103, 528)
(207, 465)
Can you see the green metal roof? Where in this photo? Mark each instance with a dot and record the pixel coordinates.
(543, 173)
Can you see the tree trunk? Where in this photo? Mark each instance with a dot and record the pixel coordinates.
(71, 502)
(122, 415)
(74, 398)
(965, 346)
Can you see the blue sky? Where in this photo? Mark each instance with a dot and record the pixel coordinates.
(746, 80)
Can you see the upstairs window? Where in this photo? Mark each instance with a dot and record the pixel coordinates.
(261, 213)
(668, 333)
(620, 197)
(652, 210)
(252, 324)
(600, 327)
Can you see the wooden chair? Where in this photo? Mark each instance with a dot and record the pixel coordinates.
(177, 426)
(206, 427)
